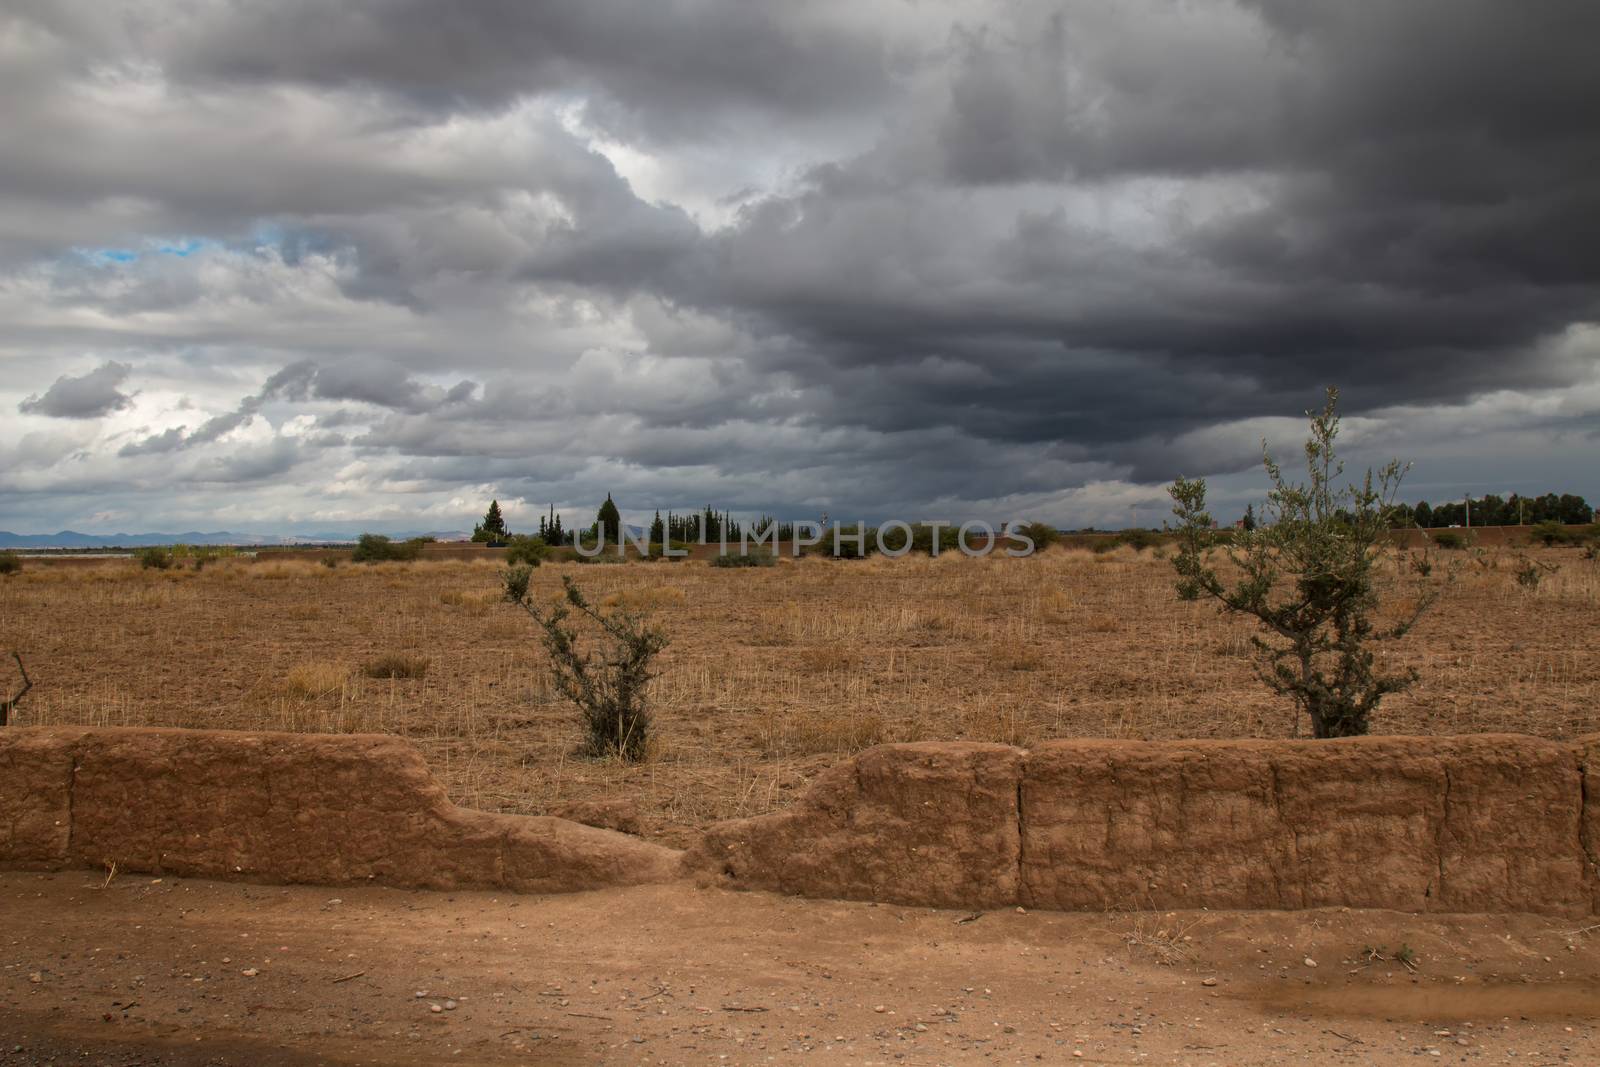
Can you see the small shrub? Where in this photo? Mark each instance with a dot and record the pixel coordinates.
(1139, 540)
(1551, 534)
(397, 665)
(153, 558)
(516, 582)
(525, 549)
(376, 548)
(1450, 539)
(197, 556)
(609, 691)
(330, 562)
(10, 563)
(1308, 578)
(1042, 534)
(746, 559)
(1530, 572)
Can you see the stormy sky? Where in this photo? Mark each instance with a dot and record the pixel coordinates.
(294, 265)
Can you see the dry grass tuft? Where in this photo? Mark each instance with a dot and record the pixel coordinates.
(810, 735)
(312, 681)
(396, 665)
(1167, 938)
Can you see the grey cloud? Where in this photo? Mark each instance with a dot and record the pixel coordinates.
(745, 253)
(367, 380)
(86, 396)
(669, 65)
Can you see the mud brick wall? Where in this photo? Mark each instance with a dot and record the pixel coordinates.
(276, 807)
(1476, 823)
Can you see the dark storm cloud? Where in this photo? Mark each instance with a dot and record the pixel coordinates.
(662, 68)
(1414, 212)
(86, 396)
(931, 252)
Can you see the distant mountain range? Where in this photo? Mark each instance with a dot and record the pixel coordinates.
(74, 539)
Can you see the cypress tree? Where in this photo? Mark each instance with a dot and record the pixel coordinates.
(609, 521)
(493, 526)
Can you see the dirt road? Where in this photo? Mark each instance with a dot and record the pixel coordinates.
(178, 972)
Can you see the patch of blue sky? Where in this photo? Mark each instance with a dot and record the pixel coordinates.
(181, 247)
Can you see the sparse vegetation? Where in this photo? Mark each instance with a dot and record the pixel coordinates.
(1552, 533)
(767, 675)
(376, 548)
(10, 702)
(525, 550)
(396, 665)
(154, 558)
(1042, 534)
(747, 559)
(1530, 572)
(1307, 576)
(609, 690)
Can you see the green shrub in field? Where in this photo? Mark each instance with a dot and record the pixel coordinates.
(609, 689)
(10, 563)
(1552, 533)
(154, 558)
(524, 548)
(1139, 540)
(1308, 576)
(1450, 539)
(197, 556)
(376, 548)
(747, 559)
(1042, 534)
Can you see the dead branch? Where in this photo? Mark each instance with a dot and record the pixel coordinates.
(9, 704)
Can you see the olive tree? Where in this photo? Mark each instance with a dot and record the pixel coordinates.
(1308, 575)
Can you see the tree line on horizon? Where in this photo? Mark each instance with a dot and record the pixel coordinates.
(712, 526)
(1568, 509)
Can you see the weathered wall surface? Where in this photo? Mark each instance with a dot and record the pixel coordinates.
(1477, 823)
(283, 808)
(933, 823)
(1480, 823)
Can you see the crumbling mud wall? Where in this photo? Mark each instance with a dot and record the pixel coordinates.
(931, 823)
(283, 808)
(1478, 823)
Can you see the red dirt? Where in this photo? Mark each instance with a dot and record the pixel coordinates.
(153, 972)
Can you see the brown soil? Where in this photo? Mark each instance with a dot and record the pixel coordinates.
(773, 674)
(159, 972)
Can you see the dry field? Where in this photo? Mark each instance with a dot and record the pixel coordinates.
(773, 673)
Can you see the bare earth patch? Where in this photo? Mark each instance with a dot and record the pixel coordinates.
(184, 973)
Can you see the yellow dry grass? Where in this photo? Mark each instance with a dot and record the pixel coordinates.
(773, 673)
